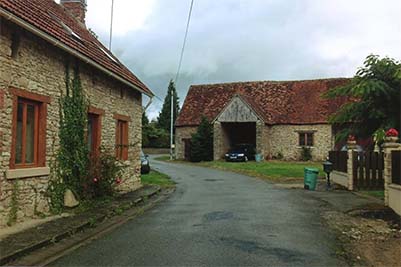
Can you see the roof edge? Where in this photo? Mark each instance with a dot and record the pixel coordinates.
(29, 27)
(267, 124)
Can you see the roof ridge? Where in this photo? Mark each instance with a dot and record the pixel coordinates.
(271, 81)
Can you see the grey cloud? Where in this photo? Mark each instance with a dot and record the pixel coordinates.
(255, 40)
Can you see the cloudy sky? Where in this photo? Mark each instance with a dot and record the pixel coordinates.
(242, 40)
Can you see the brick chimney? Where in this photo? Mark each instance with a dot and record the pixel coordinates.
(76, 7)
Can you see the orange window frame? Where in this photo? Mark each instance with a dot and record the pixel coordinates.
(40, 108)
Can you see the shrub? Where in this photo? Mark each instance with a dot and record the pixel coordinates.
(202, 142)
(306, 154)
(279, 156)
(105, 173)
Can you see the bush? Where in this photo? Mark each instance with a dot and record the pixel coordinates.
(202, 142)
(278, 156)
(105, 173)
(306, 154)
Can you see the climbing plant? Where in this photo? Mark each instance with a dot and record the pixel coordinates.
(73, 154)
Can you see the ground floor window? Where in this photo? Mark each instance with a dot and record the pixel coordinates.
(122, 141)
(306, 139)
(28, 129)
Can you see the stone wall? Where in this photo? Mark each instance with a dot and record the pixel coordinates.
(36, 66)
(180, 134)
(284, 139)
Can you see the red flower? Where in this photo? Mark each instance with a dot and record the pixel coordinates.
(392, 133)
(118, 181)
(351, 138)
(95, 180)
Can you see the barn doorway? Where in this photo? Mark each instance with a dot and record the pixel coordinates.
(237, 133)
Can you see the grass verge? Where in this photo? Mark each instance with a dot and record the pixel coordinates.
(278, 171)
(156, 178)
(377, 194)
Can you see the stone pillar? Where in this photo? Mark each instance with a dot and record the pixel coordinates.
(259, 138)
(217, 140)
(351, 146)
(390, 144)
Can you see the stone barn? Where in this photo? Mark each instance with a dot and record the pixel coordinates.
(278, 118)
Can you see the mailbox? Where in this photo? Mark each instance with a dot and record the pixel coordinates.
(327, 167)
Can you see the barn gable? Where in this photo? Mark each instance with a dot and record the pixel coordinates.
(238, 110)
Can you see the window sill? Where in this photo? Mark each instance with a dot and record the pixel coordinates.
(311, 147)
(27, 173)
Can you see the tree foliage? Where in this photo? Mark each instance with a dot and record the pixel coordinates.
(375, 99)
(152, 135)
(164, 119)
(202, 142)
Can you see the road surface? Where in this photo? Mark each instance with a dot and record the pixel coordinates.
(217, 218)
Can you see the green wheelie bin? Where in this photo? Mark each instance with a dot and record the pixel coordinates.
(310, 178)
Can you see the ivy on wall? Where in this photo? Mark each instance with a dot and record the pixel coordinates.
(73, 154)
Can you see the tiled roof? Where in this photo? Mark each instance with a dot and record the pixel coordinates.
(44, 15)
(288, 102)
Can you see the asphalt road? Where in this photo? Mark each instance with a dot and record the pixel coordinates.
(217, 218)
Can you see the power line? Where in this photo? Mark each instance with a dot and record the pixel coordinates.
(176, 80)
(184, 43)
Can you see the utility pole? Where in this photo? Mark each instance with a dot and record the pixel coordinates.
(171, 123)
(111, 23)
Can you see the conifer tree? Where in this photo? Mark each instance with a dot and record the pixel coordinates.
(202, 142)
(164, 119)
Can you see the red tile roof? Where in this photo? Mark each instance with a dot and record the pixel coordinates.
(288, 102)
(44, 14)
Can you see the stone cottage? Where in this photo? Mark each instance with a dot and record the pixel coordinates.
(278, 118)
(37, 38)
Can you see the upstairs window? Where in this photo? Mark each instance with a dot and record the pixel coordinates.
(306, 139)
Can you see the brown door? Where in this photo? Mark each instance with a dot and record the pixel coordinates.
(187, 148)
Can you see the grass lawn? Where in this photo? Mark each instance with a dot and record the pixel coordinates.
(163, 158)
(282, 171)
(156, 178)
(274, 170)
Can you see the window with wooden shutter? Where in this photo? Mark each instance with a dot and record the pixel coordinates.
(122, 140)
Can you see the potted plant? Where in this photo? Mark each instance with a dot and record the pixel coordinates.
(391, 135)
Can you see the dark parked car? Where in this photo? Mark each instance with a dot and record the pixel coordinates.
(145, 167)
(241, 152)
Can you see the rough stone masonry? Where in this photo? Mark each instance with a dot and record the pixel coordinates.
(36, 66)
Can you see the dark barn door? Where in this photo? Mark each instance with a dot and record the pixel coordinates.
(187, 148)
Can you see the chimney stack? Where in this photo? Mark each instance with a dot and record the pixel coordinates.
(75, 7)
